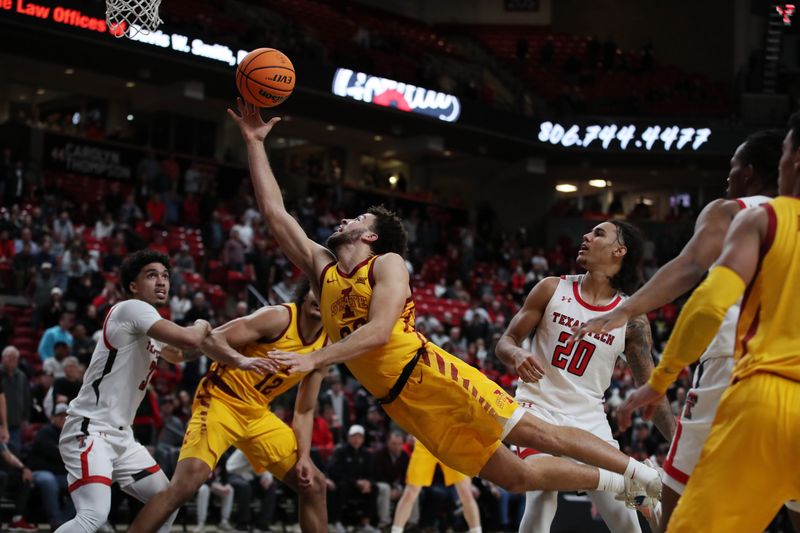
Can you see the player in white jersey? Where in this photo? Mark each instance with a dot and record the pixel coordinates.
(752, 180)
(563, 382)
(97, 443)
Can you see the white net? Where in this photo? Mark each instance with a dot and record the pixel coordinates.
(126, 18)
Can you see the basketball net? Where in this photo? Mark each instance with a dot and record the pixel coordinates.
(126, 18)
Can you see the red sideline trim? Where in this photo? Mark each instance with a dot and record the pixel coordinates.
(772, 225)
(741, 203)
(87, 480)
(608, 307)
(669, 469)
(371, 275)
(674, 473)
(85, 460)
(105, 322)
(527, 452)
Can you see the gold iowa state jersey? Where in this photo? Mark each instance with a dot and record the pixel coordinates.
(344, 302)
(768, 336)
(258, 389)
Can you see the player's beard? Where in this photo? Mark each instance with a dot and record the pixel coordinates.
(342, 238)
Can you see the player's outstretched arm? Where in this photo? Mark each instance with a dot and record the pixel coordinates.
(677, 276)
(307, 255)
(530, 367)
(303, 424)
(184, 338)
(267, 322)
(639, 353)
(389, 295)
(703, 313)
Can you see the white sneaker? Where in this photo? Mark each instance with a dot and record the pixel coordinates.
(224, 525)
(653, 516)
(199, 528)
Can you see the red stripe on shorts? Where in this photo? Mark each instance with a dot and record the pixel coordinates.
(669, 469)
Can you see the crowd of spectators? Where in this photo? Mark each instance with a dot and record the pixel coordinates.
(59, 266)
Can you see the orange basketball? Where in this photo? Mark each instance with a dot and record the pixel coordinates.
(265, 77)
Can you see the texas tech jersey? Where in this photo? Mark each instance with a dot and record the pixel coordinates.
(121, 365)
(723, 343)
(576, 374)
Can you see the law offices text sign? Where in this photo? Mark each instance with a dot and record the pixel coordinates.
(76, 18)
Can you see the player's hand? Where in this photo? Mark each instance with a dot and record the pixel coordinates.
(645, 397)
(305, 472)
(260, 365)
(250, 123)
(529, 368)
(602, 324)
(204, 325)
(292, 363)
(27, 475)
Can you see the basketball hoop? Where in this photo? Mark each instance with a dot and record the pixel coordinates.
(126, 18)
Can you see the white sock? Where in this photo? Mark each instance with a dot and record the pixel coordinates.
(478, 529)
(397, 529)
(610, 482)
(639, 472)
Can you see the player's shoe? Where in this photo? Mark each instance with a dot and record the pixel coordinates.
(21, 525)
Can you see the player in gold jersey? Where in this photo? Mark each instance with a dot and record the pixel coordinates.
(459, 414)
(749, 465)
(231, 408)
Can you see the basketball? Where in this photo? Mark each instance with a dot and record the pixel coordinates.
(265, 77)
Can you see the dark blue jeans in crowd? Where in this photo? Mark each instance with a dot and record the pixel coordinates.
(51, 486)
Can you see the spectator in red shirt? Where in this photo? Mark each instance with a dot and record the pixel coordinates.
(321, 436)
(156, 210)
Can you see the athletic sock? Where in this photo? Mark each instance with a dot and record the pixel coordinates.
(478, 529)
(397, 529)
(610, 482)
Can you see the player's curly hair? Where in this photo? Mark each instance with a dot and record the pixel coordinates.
(302, 288)
(763, 149)
(135, 262)
(392, 235)
(629, 277)
(794, 128)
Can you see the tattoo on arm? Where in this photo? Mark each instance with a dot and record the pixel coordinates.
(639, 352)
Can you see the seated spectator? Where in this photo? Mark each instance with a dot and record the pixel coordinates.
(353, 497)
(58, 333)
(82, 345)
(62, 227)
(179, 304)
(389, 466)
(104, 228)
(39, 292)
(50, 313)
(65, 389)
(247, 484)
(16, 482)
(233, 252)
(55, 365)
(170, 438)
(321, 436)
(18, 397)
(48, 469)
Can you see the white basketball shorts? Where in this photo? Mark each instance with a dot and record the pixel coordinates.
(711, 379)
(97, 454)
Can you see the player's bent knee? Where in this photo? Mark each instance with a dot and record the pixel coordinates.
(92, 518)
